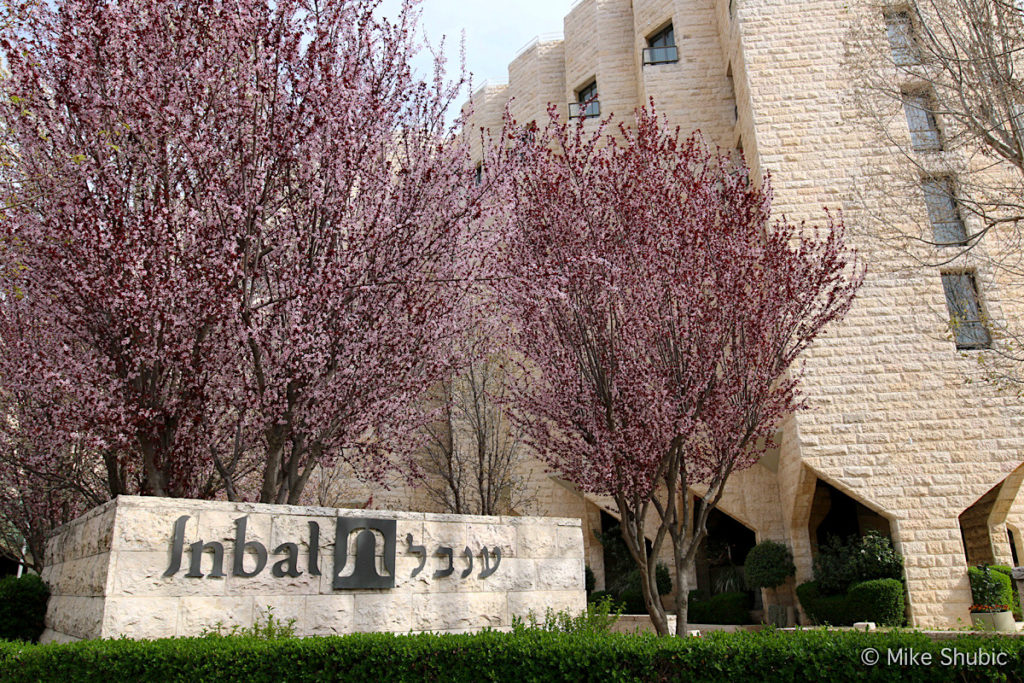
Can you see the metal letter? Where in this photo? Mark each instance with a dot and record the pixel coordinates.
(241, 545)
(292, 561)
(488, 569)
(441, 573)
(468, 554)
(177, 543)
(365, 573)
(195, 568)
(314, 549)
(417, 550)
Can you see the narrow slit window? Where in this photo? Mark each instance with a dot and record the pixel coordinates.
(965, 311)
(900, 30)
(924, 130)
(943, 211)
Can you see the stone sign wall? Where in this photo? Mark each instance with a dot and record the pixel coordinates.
(158, 567)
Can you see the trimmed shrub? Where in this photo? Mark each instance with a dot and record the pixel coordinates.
(724, 608)
(531, 655)
(833, 567)
(874, 557)
(1008, 571)
(841, 563)
(22, 607)
(990, 588)
(768, 565)
(878, 600)
(824, 609)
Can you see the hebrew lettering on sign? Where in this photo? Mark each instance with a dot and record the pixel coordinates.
(488, 570)
(417, 550)
(441, 573)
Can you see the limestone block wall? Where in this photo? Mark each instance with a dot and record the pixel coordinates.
(117, 570)
(77, 572)
(893, 422)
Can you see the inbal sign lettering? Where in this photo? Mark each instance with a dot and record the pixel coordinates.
(288, 566)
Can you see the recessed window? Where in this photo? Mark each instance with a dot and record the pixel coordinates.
(924, 131)
(900, 31)
(965, 311)
(732, 93)
(586, 104)
(661, 47)
(478, 174)
(943, 211)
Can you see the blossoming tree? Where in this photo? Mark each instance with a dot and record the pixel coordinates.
(247, 229)
(659, 311)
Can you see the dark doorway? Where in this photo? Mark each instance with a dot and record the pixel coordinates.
(722, 554)
(833, 513)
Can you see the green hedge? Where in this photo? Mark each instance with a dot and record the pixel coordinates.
(990, 586)
(1004, 569)
(824, 609)
(530, 656)
(878, 600)
(22, 607)
(724, 608)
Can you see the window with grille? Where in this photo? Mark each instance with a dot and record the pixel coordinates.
(965, 311)
(924, 130)
(943, 211)
(900, 31)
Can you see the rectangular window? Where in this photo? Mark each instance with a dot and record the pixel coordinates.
(586, 104)
(661, 47)
(924, 131)
(943, 212)
(900, 31)
(965, 311)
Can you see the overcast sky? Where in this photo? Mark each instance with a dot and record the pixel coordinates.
(495, 30)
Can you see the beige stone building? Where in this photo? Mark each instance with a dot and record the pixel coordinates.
(895, 439)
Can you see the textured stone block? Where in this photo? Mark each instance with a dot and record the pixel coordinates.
(147, 587)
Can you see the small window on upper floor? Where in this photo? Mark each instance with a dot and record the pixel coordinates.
(943, 211)
(661, 47)
(586, 104)
(478, 174)
(964, 306)
(924, 131)
(900, 30)
(732, 93)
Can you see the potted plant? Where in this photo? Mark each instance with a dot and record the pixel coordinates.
(991, 594)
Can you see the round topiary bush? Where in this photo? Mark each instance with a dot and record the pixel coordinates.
(768, 565)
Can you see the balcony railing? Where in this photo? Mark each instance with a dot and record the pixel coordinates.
(584, 110)
(661, 55)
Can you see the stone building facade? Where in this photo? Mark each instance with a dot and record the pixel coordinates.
(894, 439)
